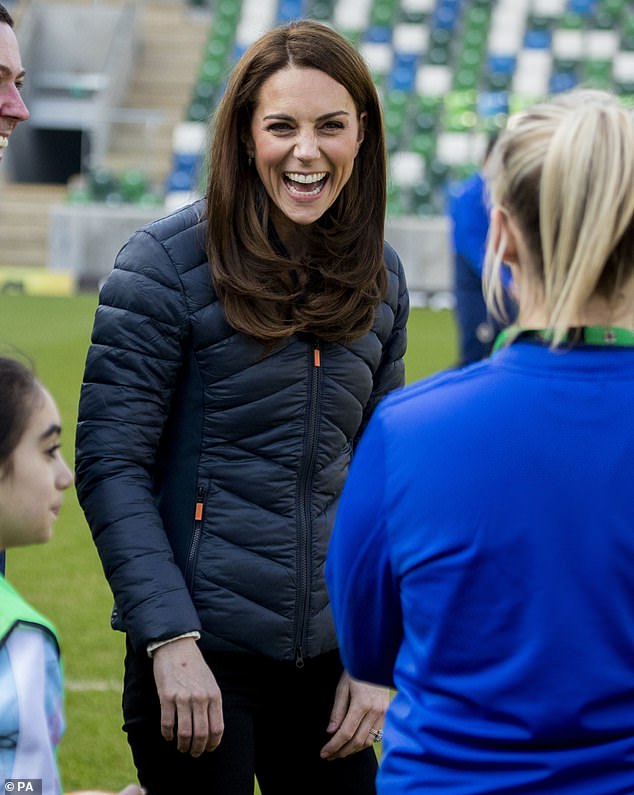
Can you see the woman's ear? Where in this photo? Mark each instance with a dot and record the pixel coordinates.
(249, 146)
(504, 233)
(363, 122)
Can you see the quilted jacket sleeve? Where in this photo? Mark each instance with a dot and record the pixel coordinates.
(131, 372)
(392, 323)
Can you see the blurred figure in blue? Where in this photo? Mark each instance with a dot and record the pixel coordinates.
(469, 213)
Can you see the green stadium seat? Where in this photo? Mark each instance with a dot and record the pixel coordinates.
(424, 144)
(134, 185)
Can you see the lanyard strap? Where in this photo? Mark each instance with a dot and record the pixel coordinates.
(609, 336)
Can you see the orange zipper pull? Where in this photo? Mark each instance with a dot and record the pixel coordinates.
(199, 512)
(317, 357)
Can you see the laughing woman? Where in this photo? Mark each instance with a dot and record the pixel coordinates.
(239, 348)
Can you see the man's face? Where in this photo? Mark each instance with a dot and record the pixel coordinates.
(12, 107)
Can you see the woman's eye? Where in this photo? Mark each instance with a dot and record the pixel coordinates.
(280, 126)
(333, 125)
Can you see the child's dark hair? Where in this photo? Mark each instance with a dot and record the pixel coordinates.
(19, 389)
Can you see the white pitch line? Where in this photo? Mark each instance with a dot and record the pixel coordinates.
(94, 685)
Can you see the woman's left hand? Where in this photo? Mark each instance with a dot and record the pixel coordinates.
(358, 708)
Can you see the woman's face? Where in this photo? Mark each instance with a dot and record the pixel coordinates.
(305, 135)
(32, 484)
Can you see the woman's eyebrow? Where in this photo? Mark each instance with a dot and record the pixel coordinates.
(286, 117)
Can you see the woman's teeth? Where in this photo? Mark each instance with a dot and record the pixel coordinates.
(4, 141)
(294, 180)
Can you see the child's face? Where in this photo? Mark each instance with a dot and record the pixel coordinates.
(32, 485)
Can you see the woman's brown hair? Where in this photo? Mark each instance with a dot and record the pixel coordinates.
(342, 279)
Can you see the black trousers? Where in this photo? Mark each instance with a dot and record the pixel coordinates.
(275, 718)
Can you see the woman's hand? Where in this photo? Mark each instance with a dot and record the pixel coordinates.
(190, 697)
(358, 708)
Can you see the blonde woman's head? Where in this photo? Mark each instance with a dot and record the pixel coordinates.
(562, 175)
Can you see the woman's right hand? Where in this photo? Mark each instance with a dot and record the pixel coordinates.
(190, 697)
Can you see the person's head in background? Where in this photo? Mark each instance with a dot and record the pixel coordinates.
(33, 473)
(12, 107)
(561, 179)
(298, 143)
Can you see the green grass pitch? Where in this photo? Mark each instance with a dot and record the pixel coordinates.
(64, 579)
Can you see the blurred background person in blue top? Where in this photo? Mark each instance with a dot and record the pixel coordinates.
(495, 592)
(468, 208)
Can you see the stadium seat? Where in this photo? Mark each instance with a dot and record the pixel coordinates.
(407, 169)
(410, 38)
(353, 17)
(421, 8)
(403, 76)
(289, 10)
(320, 10)
(134, 185)
(433, 80)
(103, 187)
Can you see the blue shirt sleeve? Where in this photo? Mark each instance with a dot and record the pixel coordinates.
(364, 595)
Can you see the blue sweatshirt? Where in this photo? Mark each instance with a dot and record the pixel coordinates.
(482, 563)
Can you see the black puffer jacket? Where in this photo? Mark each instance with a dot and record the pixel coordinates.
(209, 473)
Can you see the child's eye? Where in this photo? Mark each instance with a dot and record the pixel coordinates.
(52, 451)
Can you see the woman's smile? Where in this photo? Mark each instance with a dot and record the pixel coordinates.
(306, 185)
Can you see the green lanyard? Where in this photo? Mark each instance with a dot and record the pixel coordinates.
(610, 336)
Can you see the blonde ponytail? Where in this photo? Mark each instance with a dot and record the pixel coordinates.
(565, 172)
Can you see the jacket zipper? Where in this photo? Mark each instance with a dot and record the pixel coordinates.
(304, 502)
(198, 526)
